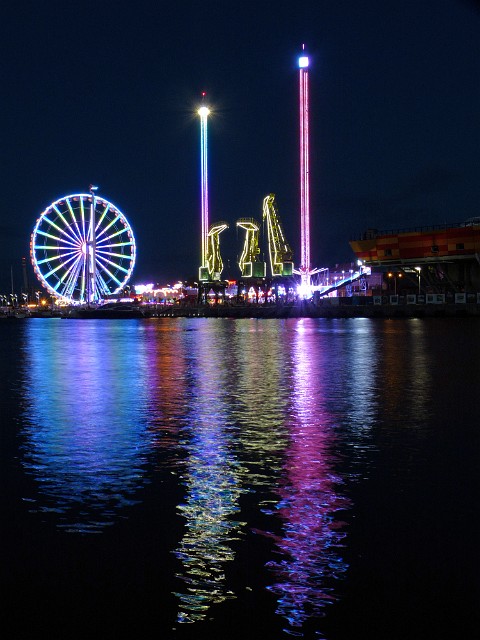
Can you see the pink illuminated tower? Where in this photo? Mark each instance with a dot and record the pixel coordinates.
(305, 269)
(204, 112)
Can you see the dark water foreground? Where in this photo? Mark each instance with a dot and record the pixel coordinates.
(186, 478)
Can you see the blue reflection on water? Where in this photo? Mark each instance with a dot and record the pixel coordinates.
(85, 436)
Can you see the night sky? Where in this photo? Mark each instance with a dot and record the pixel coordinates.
(106, 93)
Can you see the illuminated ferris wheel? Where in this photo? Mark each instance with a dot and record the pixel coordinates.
(82, 248)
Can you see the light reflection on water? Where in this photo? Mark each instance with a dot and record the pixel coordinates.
(262, 402)
(211, 480)
(86, 436)
(309, 491)
(274, 414)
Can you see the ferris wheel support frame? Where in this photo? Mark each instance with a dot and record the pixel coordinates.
(91, 249)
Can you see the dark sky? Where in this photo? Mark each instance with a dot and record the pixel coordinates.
(106, 92)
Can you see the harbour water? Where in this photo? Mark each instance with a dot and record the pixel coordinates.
(206, 477)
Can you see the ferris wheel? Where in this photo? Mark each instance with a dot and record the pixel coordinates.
(82, 248)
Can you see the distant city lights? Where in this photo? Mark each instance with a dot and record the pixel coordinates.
(140, 289)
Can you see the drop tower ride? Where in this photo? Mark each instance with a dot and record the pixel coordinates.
(204, 112)
(305, 270)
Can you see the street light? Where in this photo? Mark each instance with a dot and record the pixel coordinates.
(394, 276)
(390, 275)
(419, 270)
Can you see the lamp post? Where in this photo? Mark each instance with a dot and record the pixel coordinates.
(394, 276)
(419, 271)
(391, 275)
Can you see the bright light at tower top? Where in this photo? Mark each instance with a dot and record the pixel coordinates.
(204, 111)
(303, 62)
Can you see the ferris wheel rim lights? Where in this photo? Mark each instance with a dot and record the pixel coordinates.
(64, 228)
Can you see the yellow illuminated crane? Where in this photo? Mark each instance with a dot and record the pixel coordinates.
(280, 252)
(250, 267)
(214, 259)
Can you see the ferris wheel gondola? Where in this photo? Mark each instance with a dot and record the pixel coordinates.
(82, 248)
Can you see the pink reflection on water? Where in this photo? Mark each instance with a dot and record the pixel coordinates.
(311, 543)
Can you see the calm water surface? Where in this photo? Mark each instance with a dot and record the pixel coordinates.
(169, 478)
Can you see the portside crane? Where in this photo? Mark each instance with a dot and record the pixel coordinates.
(279, 250)
(250, 267)
(214, 259)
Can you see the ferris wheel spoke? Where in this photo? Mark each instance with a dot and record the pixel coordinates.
(102, 217)
(82, 217)
(101, 246)
(110, 224)
(110, 254)
(52, 247)
(111, 275)
(67, 256)
(73, 265)
(88, 230)
(106, 259)
(72, 279)
(74, 219)
(107, 249)
(60, 251)
(55, 257)
(62, 265)
(102, 285)
(69, 287)
(83, 281)
(115, 266)
(102, 242)
(45, 234)
(67, 224)
(61, 281)
(71, 245)
(63, 231)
